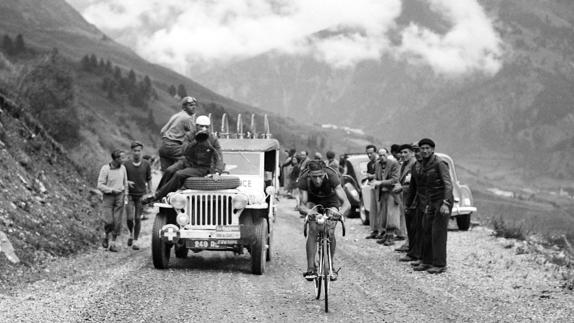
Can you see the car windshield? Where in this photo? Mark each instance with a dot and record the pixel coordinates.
(242, 163)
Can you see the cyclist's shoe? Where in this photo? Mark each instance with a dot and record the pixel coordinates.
(333, 276)
(310, 275)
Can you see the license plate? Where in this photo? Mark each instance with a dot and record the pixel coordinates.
(211, 244)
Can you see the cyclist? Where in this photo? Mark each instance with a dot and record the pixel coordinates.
(320, 185)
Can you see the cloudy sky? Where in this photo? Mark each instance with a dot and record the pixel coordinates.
(192, 35)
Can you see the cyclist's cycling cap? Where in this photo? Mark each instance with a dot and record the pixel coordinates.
(316, 166)
(203, 121)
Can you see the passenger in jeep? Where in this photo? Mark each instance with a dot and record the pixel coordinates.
(320, 185)
(202, 157)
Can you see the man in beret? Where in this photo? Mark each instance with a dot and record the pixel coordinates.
(431, 192)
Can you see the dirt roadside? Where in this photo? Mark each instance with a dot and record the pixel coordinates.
(486, 281)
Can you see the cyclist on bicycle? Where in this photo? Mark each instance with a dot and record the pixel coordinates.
(320, 185)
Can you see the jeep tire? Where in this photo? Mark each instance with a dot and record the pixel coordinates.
(159, 249)
(207, 183)
(259, 247)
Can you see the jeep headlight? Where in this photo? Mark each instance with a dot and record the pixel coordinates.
(240, 201)
(177, 200)
(182, 219)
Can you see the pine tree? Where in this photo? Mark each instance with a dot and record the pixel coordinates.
(181, 91)
(172, 90)
(93, 62)
(19, 46)
(109, 68)
(117, 73)
(8, 45)
(86, 62)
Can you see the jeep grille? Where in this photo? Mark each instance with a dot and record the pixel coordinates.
(210, 209)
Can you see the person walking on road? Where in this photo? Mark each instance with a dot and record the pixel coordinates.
(174, 132)
(113, 182)
(139, 181)
(431, 190)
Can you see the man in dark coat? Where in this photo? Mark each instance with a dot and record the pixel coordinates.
(408, 158)
(202, 157)
(431, 191)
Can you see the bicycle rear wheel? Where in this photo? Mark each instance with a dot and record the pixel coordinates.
(327, 271)
(318, 280)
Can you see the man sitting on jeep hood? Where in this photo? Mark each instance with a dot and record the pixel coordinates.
(202, 157)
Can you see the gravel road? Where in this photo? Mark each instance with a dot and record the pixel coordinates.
(486, 281)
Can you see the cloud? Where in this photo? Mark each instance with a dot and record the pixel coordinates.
(194, 34)
(470, 45)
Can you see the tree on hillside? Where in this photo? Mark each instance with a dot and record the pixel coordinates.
(181, 91)
(131, 81)
(172, 90)
(49, 91)
(109, 68)
(8, 45)
(93, 62)
(85, 62)
(117, 73)
(19, 46)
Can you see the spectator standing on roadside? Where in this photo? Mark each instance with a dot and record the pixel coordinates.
(332, 161)
(303, 159)
(174, 132)
(113, 182)
(431, 190)
(286, 169)
(408, 158)
(387, 219)
(139, 181)
(371, 151)
(396, 152)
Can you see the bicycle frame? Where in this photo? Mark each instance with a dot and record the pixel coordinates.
(325, 260)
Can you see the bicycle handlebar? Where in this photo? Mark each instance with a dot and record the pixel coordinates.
(323, 217)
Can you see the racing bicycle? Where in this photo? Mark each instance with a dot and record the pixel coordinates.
(324, 217)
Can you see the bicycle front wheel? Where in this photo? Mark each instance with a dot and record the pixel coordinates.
(327, 271)
(318, 280)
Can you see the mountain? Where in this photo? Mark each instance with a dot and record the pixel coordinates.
(109, 119)
(524, 113)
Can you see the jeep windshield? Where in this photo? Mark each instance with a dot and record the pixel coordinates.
(243, 163)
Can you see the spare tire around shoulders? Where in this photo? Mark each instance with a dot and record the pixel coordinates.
(207, 183)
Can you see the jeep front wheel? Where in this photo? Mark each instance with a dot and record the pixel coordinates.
(159, 249)
(259, 248)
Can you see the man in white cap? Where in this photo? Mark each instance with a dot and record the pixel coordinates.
(202, 157)
(173, 134)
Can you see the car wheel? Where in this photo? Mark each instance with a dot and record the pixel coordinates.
(258, 249)
(364, 214)
(159, 249)
(463, 221)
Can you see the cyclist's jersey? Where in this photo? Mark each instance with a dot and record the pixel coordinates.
(325, 194)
